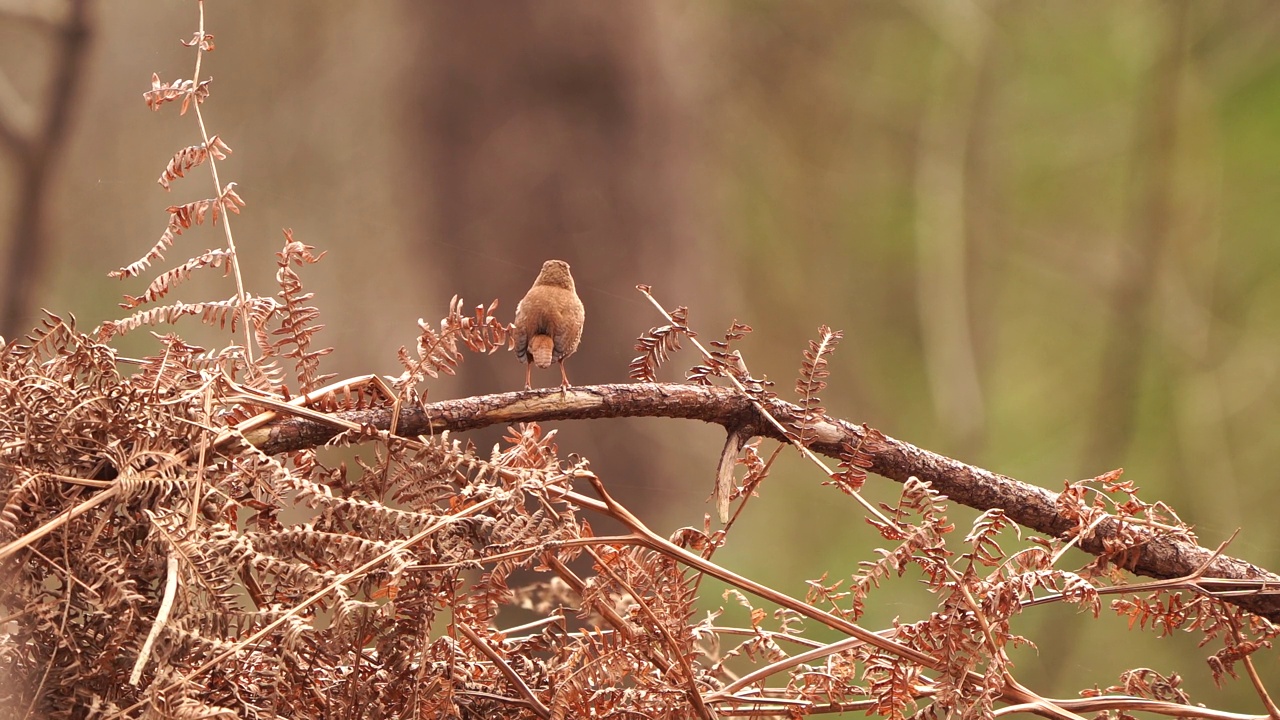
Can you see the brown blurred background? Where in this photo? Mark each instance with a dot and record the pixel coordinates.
(1047, 229)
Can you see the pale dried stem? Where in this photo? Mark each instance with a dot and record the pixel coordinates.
(808, 454)
(1263, 695)
(695, 697)
(57, 522)
(505, 668)
(759, 675)
(162, 616)
(234, 260)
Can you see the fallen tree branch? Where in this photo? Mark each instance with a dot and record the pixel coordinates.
(1161, 556)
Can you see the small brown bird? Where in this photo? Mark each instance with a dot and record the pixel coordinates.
(549, 320)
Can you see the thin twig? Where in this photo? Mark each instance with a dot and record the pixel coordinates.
(162, 617)
(62, 519)
(1260, 688)
(503, 667)
(764, 412)
(692, 692)
(241, 295)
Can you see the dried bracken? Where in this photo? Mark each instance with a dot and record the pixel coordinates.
(298, 321)
(185, 90)
(439, 349)
(182, 217)
(723, 362)
(192, 156)
(657, 345)
(813, 380)
(194, 534)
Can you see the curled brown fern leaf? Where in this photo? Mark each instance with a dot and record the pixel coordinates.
(193, 156)
(182, 217)
(298, 320)
(214, 313)
(855, 460)
(187, 90)
(439, 349)
(48, 340)
(722, 361)
(657, 345)
(812, 380)
(170, 279)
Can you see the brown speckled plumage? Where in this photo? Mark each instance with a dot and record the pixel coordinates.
(549, 320)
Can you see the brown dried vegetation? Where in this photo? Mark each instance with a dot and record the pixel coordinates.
(160, 564)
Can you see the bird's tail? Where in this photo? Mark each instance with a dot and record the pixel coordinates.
(541, 347)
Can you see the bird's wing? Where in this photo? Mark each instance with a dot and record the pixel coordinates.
(568, 329)
(522, 338)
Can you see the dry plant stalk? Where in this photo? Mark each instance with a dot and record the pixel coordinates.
(160, 563)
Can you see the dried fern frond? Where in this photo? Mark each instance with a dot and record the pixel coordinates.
(723, 361)
(855, 460)
(657, 345)
(187, 90)
(812, 380)
(298, 320)
(218, 313)
(192, 156)
(439, 349)
(182, 217)
(134, 269)
(172, 368)
(47, 341)
(1147, 683)
(170, 279)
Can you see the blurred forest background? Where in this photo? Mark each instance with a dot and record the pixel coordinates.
(1046, 228)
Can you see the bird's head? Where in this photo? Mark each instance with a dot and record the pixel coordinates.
(556, 274)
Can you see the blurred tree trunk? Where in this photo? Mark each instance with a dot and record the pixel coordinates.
(35, 144)
(1125, 355)
(554, 130)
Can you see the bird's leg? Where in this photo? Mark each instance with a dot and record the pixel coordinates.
(564, 379)
(528, 369)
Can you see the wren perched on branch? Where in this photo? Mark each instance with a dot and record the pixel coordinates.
(549, 320)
